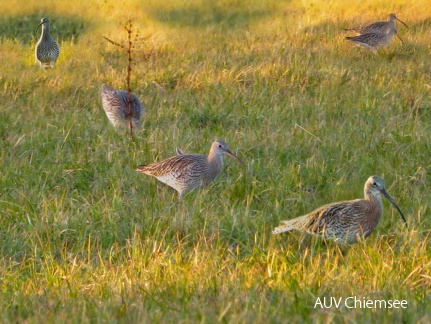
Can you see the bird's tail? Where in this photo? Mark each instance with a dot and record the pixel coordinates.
(285, 227)
(298, 223)
(141, 168)
(355, 30)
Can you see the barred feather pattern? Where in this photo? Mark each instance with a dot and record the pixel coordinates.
(346, 221)
(47, 50)
(186, 172)
(380, 27)
(343, 221)
(373, 40)
(115, 103)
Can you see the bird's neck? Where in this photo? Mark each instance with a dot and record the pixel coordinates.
(45, 32)
(375, 211)
(215, 161)
(391, 32)
(375, 199)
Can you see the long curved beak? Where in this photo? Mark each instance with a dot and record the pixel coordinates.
(38, 27)
(402, 22)
(394, 204)
(234, 156)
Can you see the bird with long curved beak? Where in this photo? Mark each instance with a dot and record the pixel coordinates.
(186, 172)
(47, 50)
(345, 221)
(380, 27)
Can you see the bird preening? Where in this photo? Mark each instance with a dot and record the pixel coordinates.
(186, 172)
(345, 221)
(123, 109)
(47, 50)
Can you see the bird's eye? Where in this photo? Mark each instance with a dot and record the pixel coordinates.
(219, 146)
(374, 183)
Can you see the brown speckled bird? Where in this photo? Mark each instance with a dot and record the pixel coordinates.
(117, 109)
(46, 50)
(373, 40)
(380, 27)
(185, 172)
(346, 221)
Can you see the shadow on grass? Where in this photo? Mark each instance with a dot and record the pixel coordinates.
(23, 28)
(211, 13)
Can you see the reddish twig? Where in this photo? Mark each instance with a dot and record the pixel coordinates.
(129, 48)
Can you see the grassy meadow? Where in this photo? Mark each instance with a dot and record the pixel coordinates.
(84, 238)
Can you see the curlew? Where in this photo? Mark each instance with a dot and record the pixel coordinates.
(186, 172)
(380, 27)
(373, 40)
(47, 50)
(123, 109)
(346, 221)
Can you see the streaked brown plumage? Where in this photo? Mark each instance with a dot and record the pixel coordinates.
(345, 221)
(46, 50)
(380, 27)
(185, 172)
(116, 106)
(373, 40)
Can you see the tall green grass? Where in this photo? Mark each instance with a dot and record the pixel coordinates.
(84, 238)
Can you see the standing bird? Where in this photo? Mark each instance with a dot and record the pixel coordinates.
(373, 40)
(380, 27)
(47, 50)
(186, 172)
(123, 109)
(346, 221)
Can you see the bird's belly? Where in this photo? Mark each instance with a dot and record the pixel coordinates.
(181, 182)
(172, 181)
